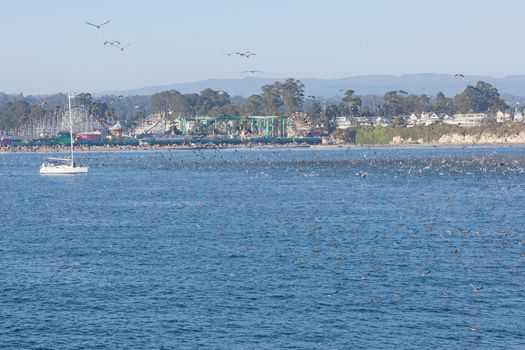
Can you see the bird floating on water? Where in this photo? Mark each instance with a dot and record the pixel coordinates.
(474, 288)
(98, 25)
(330, 294)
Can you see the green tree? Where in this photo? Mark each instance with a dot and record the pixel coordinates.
(394, 103)
(253, 105)
(271, 96)
(13, 114)
(443, 104)
(315, 111)
(83, 99)
(480, 98)
(292, 92)
(329, 117)
(351, 103)
(211, 98)
(228, 110)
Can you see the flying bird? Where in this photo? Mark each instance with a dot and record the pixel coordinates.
(246, 54)
(98, 25)
(112, 43)
(253, 71)
(459, 76)
(122, 47)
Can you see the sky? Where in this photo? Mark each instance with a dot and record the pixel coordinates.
(47, 47)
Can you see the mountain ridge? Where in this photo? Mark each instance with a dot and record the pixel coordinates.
(423, 83)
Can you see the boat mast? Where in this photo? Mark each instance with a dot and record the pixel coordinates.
(69, 97)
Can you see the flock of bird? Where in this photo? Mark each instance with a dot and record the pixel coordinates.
(117, 44)
(114, 43)
(245, 54)
(417, 249)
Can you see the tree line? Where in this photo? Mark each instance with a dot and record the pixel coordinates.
(279, 98)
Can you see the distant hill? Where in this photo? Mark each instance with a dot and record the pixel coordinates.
(429, 84)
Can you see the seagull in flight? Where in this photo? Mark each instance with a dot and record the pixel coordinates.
(98, 25)
(112, 43)
(122, 47)
(246, 54)
(459, 76)
(253, 71)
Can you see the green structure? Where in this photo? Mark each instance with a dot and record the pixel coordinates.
(265, 126)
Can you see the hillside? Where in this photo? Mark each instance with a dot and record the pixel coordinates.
(363, 85)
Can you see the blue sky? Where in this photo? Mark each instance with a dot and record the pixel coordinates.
(48, 48)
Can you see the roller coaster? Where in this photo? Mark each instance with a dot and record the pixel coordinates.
(155, 130)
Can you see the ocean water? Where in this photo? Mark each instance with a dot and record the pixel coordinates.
(265, 249)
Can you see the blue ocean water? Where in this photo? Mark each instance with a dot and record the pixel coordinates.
(265, 249)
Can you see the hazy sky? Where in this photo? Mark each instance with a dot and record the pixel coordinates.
(46, 46)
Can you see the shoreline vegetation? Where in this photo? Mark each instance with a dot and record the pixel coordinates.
(364, 137)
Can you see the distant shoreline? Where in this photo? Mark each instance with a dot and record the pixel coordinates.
(96, 149)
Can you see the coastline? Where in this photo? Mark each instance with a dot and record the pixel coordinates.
(96, 149)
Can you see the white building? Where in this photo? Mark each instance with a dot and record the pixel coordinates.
(425, 118)
(502, 117)
(518, 117)
(343, 123)
(467, 119)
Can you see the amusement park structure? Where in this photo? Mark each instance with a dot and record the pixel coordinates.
(296, 125)
(88, 128)
(52, 124)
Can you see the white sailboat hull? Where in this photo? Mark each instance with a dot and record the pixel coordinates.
(64, 166)
(62, 169)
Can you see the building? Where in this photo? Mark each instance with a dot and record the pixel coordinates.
(502, 117)
(518, 117)
(468, 119)
(116, 130)
(425, 118)
(89, 136)
(343, 123)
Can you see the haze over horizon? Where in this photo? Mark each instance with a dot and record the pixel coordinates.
(49, 48)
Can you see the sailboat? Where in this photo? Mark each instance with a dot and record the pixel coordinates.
(64, 166)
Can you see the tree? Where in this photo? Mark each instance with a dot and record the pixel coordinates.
(491, 100)
(211, 98)
(329, 117)
(228, 110)
(84, 99)
(394, 103)
(416, 104)
(469, 101)
(443, 104)
(480, 98)
(37, 112)
(292, 92)
(13, 114)
(253, 105)
(271, 97)
(315, 111)
(351, 103)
